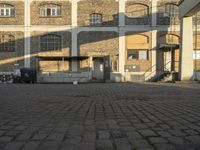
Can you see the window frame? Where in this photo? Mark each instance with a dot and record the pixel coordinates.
(55, 47)
(7, 44)
(171, 11)
(96, 17)
(50, 11)
(196, 54)
(138, 54)
(7, 11)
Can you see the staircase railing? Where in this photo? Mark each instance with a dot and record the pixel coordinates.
(149, 73)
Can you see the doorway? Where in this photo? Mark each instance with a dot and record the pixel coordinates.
(98, 68)
(171, 60)
(101, 68)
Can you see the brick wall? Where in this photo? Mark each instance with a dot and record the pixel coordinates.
(108, 8)
(161, 18)
(98, 44)
(143, 65)
(140, 5)
(9, 59)
(18, 19)
(64, 19)
(36, 50)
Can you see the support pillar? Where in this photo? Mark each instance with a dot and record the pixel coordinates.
(186, 51)
(122, 40)
(154, 36)
(74, 48)
(27, 34)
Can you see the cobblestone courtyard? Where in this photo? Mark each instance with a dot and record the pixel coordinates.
(109, 116)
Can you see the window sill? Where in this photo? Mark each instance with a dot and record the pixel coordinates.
(50, 17)
(7, 16)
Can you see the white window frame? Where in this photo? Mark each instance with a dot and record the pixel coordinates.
(139, 54)
(55, 10)
(7, 10)
(95, 19)
(196, 54)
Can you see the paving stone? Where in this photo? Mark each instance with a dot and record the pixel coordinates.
(24, 136)
(73, 140)
(123, 146)
(156, 140)
(14, 146)
(141, 143)
(104, 145)
(86, 146)
(103, 135)
(49, 146)
(39, 137)
(147, 132)
(56, 136)
(5, 138)
(110, 116)
(32, 145)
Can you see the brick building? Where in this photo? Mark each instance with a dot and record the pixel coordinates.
(84, 40)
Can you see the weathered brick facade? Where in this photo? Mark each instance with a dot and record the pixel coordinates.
(142, 65)
(18, 18)
(99, 44)
(12, 60)
(36, 49)
(108, 9)
(82, 38)
(135, 7)
(64, 19)
(162, 17)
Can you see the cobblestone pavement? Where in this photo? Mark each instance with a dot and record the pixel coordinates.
(110, 116)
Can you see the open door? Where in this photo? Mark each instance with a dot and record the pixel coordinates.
(101, 68)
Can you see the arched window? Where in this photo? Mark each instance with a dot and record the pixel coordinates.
(137, 11)
(7, 43)
(7, 10)
(95, 19)
(50, 10)
(171, 10)
(169, 39)
(50, 42)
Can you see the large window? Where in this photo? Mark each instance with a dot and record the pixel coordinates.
(137, 54)
(7, 43)
(7, 10)
(50, 10)
(50, 42)
(95, 19)
(171, 10)
(137, 11)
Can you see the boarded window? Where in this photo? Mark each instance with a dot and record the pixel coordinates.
(137, 11)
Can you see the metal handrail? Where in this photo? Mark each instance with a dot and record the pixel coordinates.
(164, 66)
